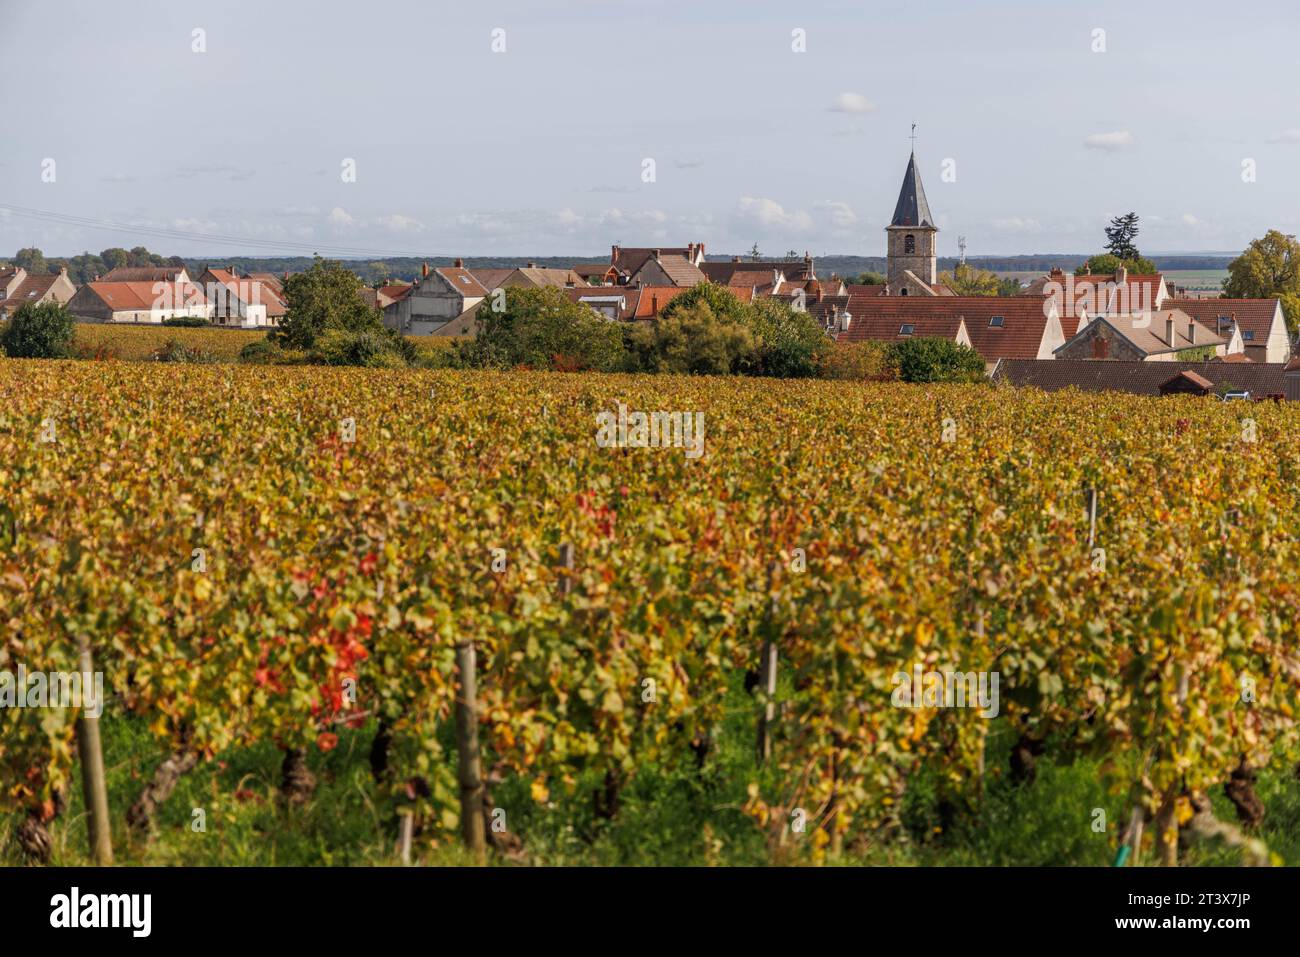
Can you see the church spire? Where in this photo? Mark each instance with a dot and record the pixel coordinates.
(912, 208)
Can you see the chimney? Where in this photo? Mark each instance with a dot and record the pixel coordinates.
(1191, 331)
(735, 259)
(1121, 275)
(1056, 273)
(655, 254)
(424, 269)
(532, 265)
(232, 271)
(458, 263)
(286, 274)
(808, 264)
(1169, 330)
(613, 253)
(1087, 269)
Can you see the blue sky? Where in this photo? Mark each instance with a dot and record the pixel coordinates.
(539, 149)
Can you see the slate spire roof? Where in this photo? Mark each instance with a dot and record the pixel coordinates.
(912, 208)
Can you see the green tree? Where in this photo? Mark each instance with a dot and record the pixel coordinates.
(787, 342)
(933, 359)
(721, 300)
(326, 296)
(543, 329)
(140, 256)
(33, 260)
(1268, 268)
(1105, 264)
(869, 278)
(114, 257)
(965, 281)
(38, 330)
(790, 341)
(754, 254)
(1120, 235)
(692, 340)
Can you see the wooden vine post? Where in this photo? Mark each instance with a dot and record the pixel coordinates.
(1092, 518)
(1167, 815)
(767, 673)
(984, 728)
(93, 787)
(470, 770)
(566, 564)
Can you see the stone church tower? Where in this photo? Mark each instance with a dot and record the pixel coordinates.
(911, 255)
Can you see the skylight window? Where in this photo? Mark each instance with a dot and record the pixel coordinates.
(997, 321)
(907, 330)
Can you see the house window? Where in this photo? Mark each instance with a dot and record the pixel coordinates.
(1100, 348)
(907, 329)
(996, 321)
(909, 244)
(902, 292)
(1224, 322)
(1248, 334)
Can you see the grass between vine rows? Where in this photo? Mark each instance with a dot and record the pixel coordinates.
(670, 816)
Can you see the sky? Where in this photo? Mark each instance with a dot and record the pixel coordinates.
(560, 127)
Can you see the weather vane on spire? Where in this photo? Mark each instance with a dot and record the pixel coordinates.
(913, 137)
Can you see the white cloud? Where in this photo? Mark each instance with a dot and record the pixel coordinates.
(1287, 136)
(839, 214)
(767, 215)
(1017, 224)
(1111, 142)
(1191, 220)
(398, 223)
(339, 218)
(852, 103)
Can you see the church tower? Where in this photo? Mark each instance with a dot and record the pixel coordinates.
(912, 235)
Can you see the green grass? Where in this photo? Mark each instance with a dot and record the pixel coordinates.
(1198, 279)
(668, 815)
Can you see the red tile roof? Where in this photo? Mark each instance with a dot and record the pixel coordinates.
(1145, 378)
(1024, 319)
(1252, 315)
(142, 296)
(463, 281)
(143, 274)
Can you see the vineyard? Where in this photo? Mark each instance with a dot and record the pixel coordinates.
(127, 342)
(298, 562)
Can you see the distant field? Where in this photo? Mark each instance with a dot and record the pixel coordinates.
(1203, 280)
(1200, 279)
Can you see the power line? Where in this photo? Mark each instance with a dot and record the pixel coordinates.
(163, 232)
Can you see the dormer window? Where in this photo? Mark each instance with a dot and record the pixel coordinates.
(907, 329)
(1248, 334)
(996, 322)
(909, 244)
